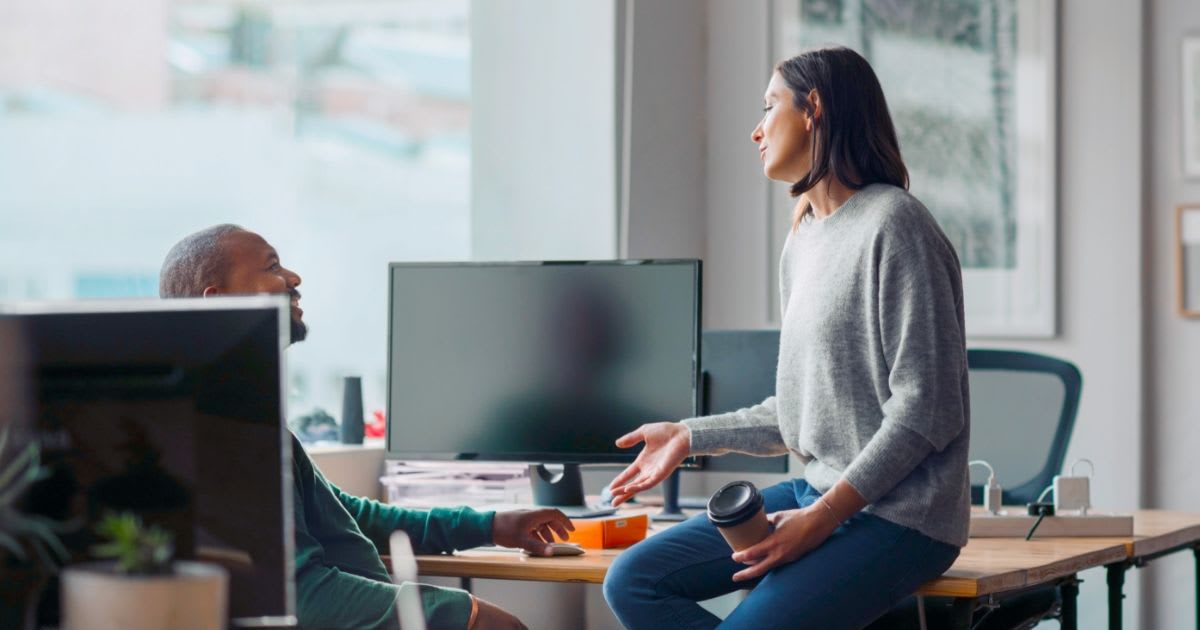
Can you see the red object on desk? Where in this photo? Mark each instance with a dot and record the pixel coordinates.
(377, 427)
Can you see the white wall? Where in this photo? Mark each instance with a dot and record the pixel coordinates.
(737, 261)
(543, 171)
(666, 130)
(1173, 343)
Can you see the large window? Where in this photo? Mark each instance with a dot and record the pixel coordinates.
(338, 130)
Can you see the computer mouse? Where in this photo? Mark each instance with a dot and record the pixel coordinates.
(606, 496)
(563, 549)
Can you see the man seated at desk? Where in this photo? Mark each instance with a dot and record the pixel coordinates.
(341, 582)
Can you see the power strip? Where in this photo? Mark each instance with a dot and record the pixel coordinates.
(1015, 523)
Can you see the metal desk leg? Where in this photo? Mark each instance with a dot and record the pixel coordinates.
(1116, 584)
(960, 613)
(1070, 611)
(1196, 552)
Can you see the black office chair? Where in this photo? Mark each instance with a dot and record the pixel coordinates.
(1023, 408)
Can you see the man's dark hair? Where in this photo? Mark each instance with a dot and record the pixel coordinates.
(196, 262)
(854, 140)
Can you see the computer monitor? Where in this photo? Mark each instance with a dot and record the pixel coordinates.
(738, 370)
(540, 362)
(172, 410)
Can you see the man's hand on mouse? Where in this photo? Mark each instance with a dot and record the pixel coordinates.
(531, 530)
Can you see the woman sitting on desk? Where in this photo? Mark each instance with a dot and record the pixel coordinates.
(871, 389)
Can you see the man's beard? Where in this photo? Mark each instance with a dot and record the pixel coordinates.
(299, 330)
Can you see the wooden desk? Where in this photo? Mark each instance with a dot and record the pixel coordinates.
(1156, 533)
(589, 568)
(991, 566)
(986, 567)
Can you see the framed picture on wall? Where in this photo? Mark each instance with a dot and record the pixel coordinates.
(1187, 257)
(971, 86)
(1191, 106)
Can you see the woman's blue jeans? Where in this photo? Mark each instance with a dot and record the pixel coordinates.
(866, 566)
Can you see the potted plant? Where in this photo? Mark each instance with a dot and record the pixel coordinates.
(30, 551)
(138, 587)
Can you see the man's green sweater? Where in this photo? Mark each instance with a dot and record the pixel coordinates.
(340, 580)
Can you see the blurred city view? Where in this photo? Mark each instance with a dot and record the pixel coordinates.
(339, 130)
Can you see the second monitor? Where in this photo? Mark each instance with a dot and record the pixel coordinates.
(539, 362)
(739, 371)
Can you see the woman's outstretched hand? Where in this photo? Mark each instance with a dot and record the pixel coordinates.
(667, 445)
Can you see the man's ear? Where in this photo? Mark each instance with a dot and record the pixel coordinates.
(211, 292)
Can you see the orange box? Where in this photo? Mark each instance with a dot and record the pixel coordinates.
(609, 531)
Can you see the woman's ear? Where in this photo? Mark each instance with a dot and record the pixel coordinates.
(814, 104)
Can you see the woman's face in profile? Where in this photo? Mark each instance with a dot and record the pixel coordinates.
(784, 135)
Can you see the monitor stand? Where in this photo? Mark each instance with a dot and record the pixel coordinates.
(564, 490)
(670, 510)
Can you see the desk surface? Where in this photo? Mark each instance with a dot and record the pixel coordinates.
(1159, 530)
(986, 565)
(995, 565)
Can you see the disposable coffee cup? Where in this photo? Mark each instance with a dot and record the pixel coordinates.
(737, 511)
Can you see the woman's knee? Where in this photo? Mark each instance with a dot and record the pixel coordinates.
(627, 575)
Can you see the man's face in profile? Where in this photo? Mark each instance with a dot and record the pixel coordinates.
(253, 266)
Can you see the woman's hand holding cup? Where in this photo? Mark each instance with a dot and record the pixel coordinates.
(796, 533)
(667, 445)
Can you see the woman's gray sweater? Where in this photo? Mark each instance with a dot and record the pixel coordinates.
(872, 377)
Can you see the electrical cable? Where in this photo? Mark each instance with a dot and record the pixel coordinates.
(993, 494)
(1035, 526)
(980, 462)
(1091, 466)
(1042, 510)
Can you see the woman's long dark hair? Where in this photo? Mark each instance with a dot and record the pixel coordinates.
(854, 137)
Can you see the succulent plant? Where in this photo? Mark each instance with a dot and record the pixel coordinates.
(21, 532)
(137, 549)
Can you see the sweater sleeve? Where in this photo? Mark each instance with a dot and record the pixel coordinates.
(440, 530)
(444, 607)
(922, 339)
(751, 430)
(327, 597)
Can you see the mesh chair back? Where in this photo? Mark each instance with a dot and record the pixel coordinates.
(1023, 408)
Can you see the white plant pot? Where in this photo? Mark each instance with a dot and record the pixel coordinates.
(194, 597)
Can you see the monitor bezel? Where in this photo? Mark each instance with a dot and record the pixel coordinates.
(540, 456)
(260, 302)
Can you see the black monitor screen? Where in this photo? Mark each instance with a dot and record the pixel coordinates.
(538, 361)
(172, 411)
